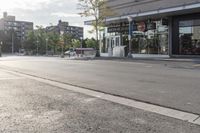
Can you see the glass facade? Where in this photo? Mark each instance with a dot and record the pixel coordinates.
(154, 40)
(189, 37)
(153, 37)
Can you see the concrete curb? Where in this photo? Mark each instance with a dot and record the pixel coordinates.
(169, 112)
(149, 59)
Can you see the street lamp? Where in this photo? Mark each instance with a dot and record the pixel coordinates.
(46, 45)
(130, 19)
(62, 53)
(37, 46)
(12, 37)
(81, 46)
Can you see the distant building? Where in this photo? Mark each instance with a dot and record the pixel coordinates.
(21, 28)
(65, 28)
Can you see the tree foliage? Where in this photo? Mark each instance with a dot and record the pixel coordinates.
(41, 36)
(53, 41)
(91, 43)
(30, 44)
(7, 37)
(97, 9)
(67, 38)
(76, 43)
(40, 39)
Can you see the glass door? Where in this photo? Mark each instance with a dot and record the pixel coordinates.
(189, 37)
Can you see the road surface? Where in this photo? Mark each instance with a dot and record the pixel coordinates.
(30, 106)
(170, 84)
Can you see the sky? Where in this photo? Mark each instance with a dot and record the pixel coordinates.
(45, 12)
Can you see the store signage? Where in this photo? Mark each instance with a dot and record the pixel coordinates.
(116, 27)
(141, 26)
(113, 29)
(121, 28)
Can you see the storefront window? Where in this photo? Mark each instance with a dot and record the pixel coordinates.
(189, 37)
(152, 41)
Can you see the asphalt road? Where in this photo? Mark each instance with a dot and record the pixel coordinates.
(169, 84)
(27, 106)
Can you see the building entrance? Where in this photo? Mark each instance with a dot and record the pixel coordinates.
(186, 35)
(114, 46)
(189, 37)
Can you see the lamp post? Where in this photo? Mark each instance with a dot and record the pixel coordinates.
(12, 37)
(130, 19)
(46, 45)
(62, 37)
(37, 46)
(81, 46)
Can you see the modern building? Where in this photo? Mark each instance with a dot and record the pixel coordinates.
(21, 28)
(155, 28)
(65, 28)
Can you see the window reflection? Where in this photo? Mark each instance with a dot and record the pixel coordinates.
(151, 41)
(189, 37)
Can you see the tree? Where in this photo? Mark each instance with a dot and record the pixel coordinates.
(30, 44)
(91, 43)
(76, 43)
(2, 37)
(41, 36)
(96, 9)
(53, 41)
(67, 38)
(8, 37)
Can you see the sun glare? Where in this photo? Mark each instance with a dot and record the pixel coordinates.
(7, 5)
(10, 5)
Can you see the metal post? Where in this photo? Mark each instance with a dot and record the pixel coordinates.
(46, 45)
(130, 19)
(12, 42)
(37, 46)
(0, 48)
(81, 46)
(62, 35)
(81, 42)
(62, 52)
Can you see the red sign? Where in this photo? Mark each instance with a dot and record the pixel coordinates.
(141, 26)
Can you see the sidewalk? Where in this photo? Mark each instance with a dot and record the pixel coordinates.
(196, 60)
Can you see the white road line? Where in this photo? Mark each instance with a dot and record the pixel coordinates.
(190, 117)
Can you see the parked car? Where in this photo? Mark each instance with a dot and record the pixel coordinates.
(70, 52)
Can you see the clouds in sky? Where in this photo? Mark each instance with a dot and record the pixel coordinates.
(44, 12)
